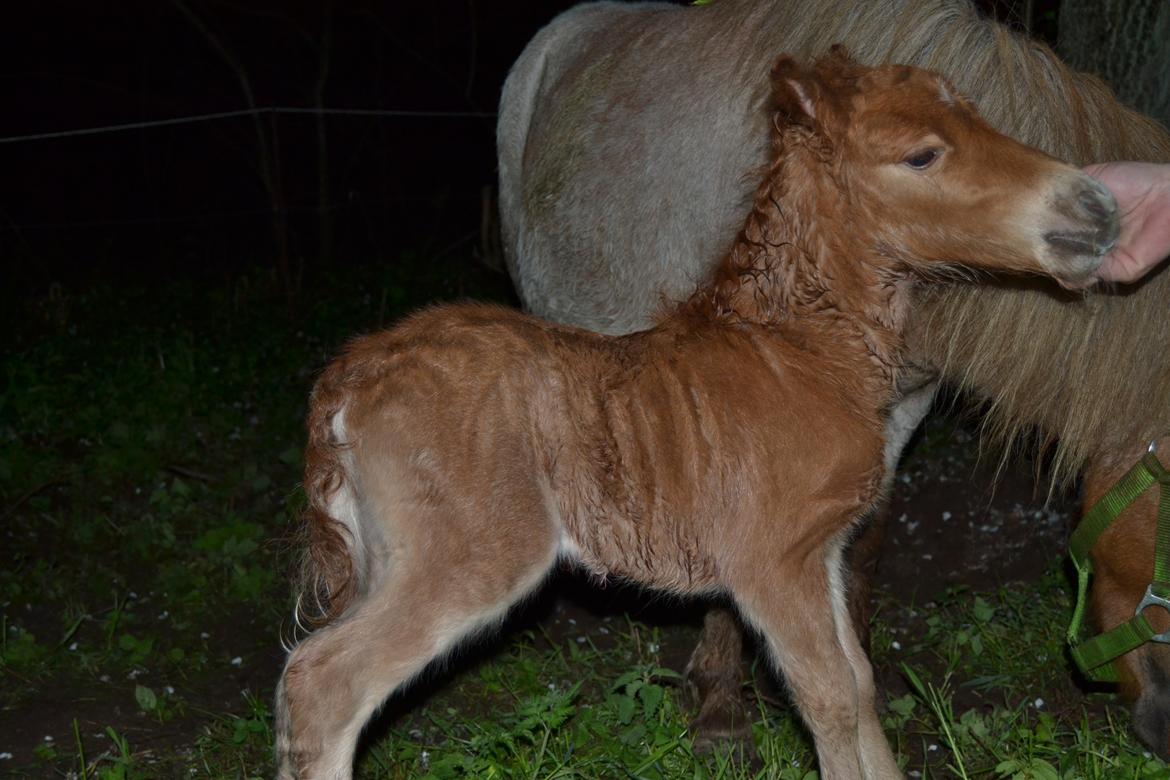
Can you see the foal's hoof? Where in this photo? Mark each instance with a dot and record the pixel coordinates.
(723, 738)
(723, 725)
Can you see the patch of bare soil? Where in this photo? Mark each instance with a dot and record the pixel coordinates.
(954, 523)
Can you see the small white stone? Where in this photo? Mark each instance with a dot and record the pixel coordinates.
(169, 689)
(5, 756)
(946, 515)
(1038, 704)
(237, 661)
(931, 748)
(48, 738)
(204, 635)
(73, 646)
(896, 645)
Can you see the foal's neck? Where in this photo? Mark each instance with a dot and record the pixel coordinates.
(804, 264)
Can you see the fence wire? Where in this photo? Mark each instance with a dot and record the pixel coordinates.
(262, 111)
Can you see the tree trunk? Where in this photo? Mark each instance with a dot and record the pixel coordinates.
(1125, 42)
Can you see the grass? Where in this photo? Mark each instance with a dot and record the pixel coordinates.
(149, 465)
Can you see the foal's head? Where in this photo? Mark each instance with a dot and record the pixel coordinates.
(926, 181)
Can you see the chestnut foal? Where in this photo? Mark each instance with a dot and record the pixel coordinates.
(453, 460)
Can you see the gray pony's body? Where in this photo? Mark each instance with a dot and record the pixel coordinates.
(602, 219)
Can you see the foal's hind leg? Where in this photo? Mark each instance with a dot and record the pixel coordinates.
(715, 672)
(336, 678)
(801, 618)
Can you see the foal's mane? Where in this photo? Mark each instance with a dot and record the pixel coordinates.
(767, 254)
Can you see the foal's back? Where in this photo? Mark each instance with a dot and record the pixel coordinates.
(640, 456)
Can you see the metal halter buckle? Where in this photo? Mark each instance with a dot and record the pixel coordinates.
(1152, 599)
(1152, 448)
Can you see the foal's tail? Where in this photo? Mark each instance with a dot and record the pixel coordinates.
(328, 577)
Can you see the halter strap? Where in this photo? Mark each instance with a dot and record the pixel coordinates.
(1093, 656)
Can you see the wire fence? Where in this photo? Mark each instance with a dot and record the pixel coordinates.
(210, 216)
(260, 111)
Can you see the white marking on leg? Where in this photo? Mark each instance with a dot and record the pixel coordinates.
(343, 504)
(875, 757)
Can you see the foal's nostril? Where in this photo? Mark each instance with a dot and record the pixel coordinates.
(1098, 205)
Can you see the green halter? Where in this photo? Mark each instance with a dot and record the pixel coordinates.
(1093, 656)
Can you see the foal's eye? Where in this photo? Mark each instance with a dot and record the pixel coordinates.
(921, 160)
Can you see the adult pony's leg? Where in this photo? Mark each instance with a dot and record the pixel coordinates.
(1123, 568)
(423, 607)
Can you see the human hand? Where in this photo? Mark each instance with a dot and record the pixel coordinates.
(1142, 191)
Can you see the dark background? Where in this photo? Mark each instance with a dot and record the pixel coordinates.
(281, 192)
(169, 293)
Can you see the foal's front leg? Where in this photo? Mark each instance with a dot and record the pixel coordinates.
(799, 607)
(877, 761)
(715, 671)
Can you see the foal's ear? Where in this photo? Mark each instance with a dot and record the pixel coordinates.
(795, 92)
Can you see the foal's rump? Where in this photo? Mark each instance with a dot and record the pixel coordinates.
(420, 447)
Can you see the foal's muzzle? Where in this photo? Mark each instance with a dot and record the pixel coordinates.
(1092, 229)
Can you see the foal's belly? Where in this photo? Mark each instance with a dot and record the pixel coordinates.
(677, 486)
